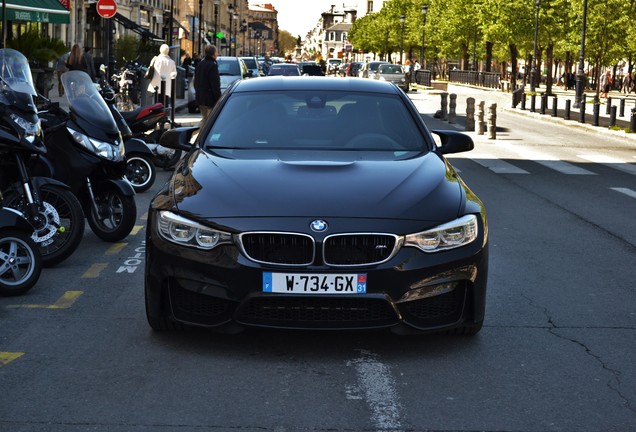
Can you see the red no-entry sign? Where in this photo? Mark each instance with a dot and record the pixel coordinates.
(106, 8)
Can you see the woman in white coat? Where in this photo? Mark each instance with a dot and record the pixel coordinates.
(165, 69)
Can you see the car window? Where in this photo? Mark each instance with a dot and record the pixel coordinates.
(228, 67)
(296, 122)
(390, 69)
(250, 63)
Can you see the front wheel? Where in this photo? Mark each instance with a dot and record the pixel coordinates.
(58, 225)
(20, 263)
(140, 172)
(116, 214)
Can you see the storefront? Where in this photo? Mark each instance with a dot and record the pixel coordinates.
(41, 11)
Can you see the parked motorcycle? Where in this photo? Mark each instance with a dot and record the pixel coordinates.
(147, 123)
(47, 204)
(140, 168)
(85, 150)
(20, 260)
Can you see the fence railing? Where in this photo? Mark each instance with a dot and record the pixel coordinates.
(423, 77)
(482, 79)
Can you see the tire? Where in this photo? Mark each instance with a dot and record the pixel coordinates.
(60, 227)
(20, 263)
(140, 172)
(117, 214)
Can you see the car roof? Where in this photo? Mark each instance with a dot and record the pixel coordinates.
(304, 83)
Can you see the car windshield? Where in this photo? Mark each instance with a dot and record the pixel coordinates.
(228, 67)
(310, 125)
(250, 63)
(390, 69)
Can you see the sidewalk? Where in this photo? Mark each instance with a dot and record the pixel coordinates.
(504, 104)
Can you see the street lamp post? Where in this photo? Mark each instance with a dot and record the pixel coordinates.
(402, 18)
(230, 10)
(200, 24)
(424, 12)
(580, 73)
(216, 20)
(533, 71)
(243, 30)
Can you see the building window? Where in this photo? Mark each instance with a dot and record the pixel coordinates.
(370, 6)
(344, 37)
(332, 36)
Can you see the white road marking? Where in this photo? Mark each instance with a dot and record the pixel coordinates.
(626, 191)
(552, 162)
(377, 387)
(610, 162)
(495, 165)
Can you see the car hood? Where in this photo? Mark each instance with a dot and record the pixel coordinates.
(423, 188)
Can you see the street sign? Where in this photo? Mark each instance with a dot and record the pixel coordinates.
(106, 8)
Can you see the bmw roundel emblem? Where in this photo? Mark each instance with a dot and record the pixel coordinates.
(318, 225)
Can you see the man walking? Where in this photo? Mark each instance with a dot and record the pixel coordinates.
(207, 82)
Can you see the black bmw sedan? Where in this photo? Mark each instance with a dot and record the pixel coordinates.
(316, 203)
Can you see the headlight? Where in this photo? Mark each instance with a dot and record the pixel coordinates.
(31, 130)
(450, 235)
(100, 148)
(177, 229)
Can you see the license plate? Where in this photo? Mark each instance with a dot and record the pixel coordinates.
(306, 283)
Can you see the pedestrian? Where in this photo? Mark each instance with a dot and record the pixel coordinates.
(76, 60)
(165, 70)
(627, 83)
(207, 82)
(60, 67)
(90, 63)
(266, 65)
(606, 82)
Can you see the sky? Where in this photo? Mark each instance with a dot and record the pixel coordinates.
(300, 16)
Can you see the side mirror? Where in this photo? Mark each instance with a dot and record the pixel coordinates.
(454, 142)
(178, 139)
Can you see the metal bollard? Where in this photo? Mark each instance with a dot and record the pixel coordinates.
(470, 114)
(481, 125)
(622, 108)
(492, 121)
(523, 101)
(582, 110)
(612, 121)
(608, 106)
(452, 112)
(533, 102)
(444, 107)
(555, 106)
(596, 112)
(544, 103)
(632, 123)
(568, 104)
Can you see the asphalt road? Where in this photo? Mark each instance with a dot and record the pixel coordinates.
(556, 352)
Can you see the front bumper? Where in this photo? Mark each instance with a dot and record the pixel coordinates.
(413, 291)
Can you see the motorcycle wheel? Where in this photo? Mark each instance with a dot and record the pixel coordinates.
(140, 172)
(60, 225)
(20, 263)
(117, 214)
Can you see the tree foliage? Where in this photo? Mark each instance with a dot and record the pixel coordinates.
(457, 29)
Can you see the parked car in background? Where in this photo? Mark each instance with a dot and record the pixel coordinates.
(333, 66)
(284, 69)
(369, 69)
(393, 73)
(321, 204)
(253, 66)
(311, 70)
(230, 70)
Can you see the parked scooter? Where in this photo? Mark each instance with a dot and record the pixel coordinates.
(148, 123)
(85, 150)
(140, 168)
(48, 205)
(20, 260)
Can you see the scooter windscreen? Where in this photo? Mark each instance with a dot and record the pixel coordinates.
(86, 103)
(15, 73)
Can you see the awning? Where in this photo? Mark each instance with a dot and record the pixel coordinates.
(44, 11)
(131, 25)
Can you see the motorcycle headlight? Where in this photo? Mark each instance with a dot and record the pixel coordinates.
(182, 231)
(450, 235)
(102, 149)
(31, 130)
